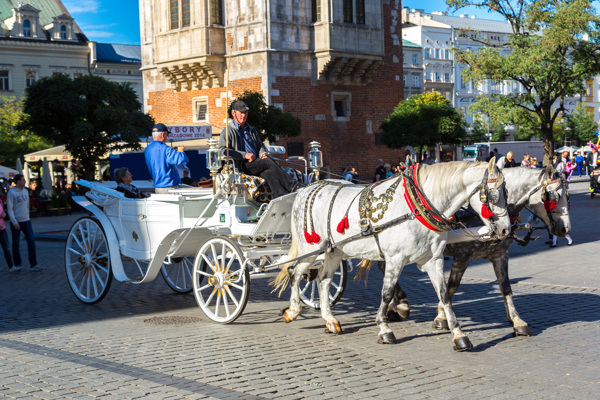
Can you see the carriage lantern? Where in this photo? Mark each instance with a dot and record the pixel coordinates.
(212, 159)
(315, 158)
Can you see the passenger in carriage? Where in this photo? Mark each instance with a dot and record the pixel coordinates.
(250, 154)
(124, 178)
(162, 160)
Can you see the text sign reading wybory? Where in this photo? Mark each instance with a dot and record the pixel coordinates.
(182, 132)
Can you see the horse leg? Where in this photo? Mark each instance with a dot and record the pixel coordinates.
(520, 327)
(330, 266)
(399, 308)
(291, 312)
(435, 270)
(392, 273)
(459, 266)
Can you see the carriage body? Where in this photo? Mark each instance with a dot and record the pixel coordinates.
(186, 235)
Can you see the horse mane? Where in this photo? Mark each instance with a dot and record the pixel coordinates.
(439, 174)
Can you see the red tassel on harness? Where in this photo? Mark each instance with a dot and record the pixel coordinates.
(315, 238)
(308, 237)
(550, 205)
(485, 212)
(343, 225)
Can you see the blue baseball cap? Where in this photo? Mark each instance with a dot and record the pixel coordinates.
(160, 128)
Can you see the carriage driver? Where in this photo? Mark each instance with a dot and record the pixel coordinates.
(249, 152)
(162, 160)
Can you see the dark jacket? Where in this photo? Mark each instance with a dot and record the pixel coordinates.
(236, 144)
(590, 161)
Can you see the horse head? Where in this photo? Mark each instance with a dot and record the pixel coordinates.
(550, 200)
(490, 201)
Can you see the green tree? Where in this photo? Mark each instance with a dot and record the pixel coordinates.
(89, 115)
(269, 121)
(581, 125)
(423, 121)
(553, 48)
(16, 141)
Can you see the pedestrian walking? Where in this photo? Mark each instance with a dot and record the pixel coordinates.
(579, 161)
(4, 241)
(17, 204)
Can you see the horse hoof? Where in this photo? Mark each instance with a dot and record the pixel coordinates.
(285, 315)
(333, 327)
(462, 343)
(441, 324)
(522, 330)
(393, 316)
(387, 338)
(404, 313)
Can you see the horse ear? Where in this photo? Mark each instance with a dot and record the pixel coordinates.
(491, 165)
(560, 167)
(549, 171)
(501, 162)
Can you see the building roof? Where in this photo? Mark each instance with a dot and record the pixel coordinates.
(472, 24)
(118, 53)
(48, 10)
(406, 43)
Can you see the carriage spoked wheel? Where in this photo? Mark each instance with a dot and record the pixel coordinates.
(87, 261)
(221, 283)
(309, 288)
(178, 273)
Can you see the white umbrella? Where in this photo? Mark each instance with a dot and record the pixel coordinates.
(19, 167)
(51, 170)
(26, 173)
(46, 178)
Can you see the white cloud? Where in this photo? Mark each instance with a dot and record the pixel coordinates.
(82, 6)
(98, 34)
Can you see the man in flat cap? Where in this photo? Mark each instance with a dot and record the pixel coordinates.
(250, 154)
(162, 160)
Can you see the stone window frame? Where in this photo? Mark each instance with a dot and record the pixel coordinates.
(196, 103)
(346, 100)
(415, 82)
(174, 14)
(27, 28)
(353, 12)
(5, 79)
(63, 32)
(31, 76)
(216, 12)
(415, 58)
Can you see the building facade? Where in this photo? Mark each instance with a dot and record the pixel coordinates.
(42, 39)
(412, 64)
(438, 33)
(335, 65)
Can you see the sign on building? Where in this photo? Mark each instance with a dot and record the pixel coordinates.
(183, 132)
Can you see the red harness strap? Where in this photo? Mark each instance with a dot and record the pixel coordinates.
(413, 207)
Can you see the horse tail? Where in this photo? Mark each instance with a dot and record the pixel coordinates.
(363, 265)
(282, 279)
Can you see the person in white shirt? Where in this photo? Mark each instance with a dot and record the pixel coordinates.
(17, 204)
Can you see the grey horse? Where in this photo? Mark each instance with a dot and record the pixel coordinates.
(526, 187)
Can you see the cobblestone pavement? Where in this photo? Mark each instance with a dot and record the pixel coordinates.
(54, 347)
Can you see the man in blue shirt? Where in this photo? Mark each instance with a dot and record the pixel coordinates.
(162, 160)
(250, 154)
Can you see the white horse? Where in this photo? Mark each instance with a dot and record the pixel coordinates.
(400, 233)
(545, 193)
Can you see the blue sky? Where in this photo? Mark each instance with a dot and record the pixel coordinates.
(107, 21)
(117, 21)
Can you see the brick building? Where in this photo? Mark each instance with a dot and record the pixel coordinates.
(335, 65)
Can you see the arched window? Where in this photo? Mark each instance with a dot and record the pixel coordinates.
(63, 32)
(27, 28)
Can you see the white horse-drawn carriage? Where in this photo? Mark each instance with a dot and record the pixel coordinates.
(206, 240)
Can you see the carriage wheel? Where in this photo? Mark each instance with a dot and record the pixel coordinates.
(309, 289)
(224, 294)
(178, 274)
(87, 261)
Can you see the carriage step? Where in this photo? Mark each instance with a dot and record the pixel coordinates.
(134, 280)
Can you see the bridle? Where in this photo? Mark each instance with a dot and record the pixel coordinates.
(491, 196)
(551, 198)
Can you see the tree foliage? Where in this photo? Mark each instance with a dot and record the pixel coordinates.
(89, 115)
(553, 48)
(15, 142)
(269, 121)
(423, 121)
(582, 126)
